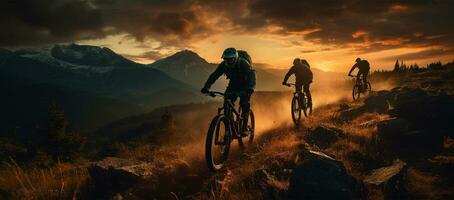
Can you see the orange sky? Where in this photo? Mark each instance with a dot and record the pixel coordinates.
(273, 50)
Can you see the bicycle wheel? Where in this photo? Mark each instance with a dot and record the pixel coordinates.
(307, 109)
(217, 143)
(296, 110)
(245, 142)
(356, 92)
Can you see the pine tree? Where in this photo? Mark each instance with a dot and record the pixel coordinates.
(396, 66)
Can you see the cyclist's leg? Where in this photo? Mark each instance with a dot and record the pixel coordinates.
(299, 88)
(231, 95)
(365, 74)
(308, 93)
(245, 107)
(358, 77)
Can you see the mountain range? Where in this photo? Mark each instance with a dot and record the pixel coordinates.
(95, 86)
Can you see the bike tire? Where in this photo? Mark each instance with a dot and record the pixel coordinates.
(307, 108)
(356, 93)
(250, 139)
(295, 111)
(211, 135)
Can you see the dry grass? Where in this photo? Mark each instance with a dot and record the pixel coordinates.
(64, 181)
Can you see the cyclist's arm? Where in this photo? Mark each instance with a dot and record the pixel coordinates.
(353, 68)
(289, 73)
(215, 75)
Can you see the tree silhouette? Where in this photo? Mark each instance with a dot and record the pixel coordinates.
(396, 66)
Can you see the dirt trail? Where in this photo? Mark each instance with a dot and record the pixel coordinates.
(189, 176)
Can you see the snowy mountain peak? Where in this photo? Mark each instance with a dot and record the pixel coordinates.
(88, 55)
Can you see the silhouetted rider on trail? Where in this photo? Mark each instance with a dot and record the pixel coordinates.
(304, 76)
(363, 67)
(241, 79)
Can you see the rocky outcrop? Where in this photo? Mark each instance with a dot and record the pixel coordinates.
(389, 180)
(112, 175)
(323, 136)
(320, 176)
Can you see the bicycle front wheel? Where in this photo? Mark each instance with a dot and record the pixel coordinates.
(217, 143)
(246, 141)
(296, 110)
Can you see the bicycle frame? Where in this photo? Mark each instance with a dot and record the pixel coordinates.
(227, 109)
(295, 93)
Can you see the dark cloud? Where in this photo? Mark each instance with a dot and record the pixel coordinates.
(420, 55)
(32, 22)
(365, 25)
(35, 22)
(384, 23)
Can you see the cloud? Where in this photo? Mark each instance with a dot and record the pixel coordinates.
(420, 55)
(362, 25)
(149, 55)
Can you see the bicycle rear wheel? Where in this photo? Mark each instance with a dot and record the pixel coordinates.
(296, 110)
(356, 92)
(217, 143)
(245, 142)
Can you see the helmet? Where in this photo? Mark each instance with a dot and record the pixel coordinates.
(296, 61)
(229, 53)
(358, 59)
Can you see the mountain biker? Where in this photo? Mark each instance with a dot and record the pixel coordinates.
(241, 80)
(304, 76)
(364, 67)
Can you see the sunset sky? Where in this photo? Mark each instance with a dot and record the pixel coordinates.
(330, 34)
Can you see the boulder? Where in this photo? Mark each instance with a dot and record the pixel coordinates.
(323, 136)
(112, 175)
(320, 176)
(390, 130)
(268, 184)
(378, 102)
(389, 180)
(420, 142)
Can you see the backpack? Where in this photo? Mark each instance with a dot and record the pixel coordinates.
(364, 65)
(244, 54)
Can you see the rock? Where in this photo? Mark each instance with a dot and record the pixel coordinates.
(424, 110)
(320, 176)
(390, 180)
(323, 136)
(267, 183)
(113, 175)
(368, 123)
(378, 102)
(420, 142)
(390, 130)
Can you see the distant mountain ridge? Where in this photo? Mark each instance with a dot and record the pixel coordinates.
(100, 73)
(189, 67)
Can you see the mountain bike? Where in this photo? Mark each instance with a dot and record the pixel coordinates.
(299, 103)
(360, 87)
(226, 126)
